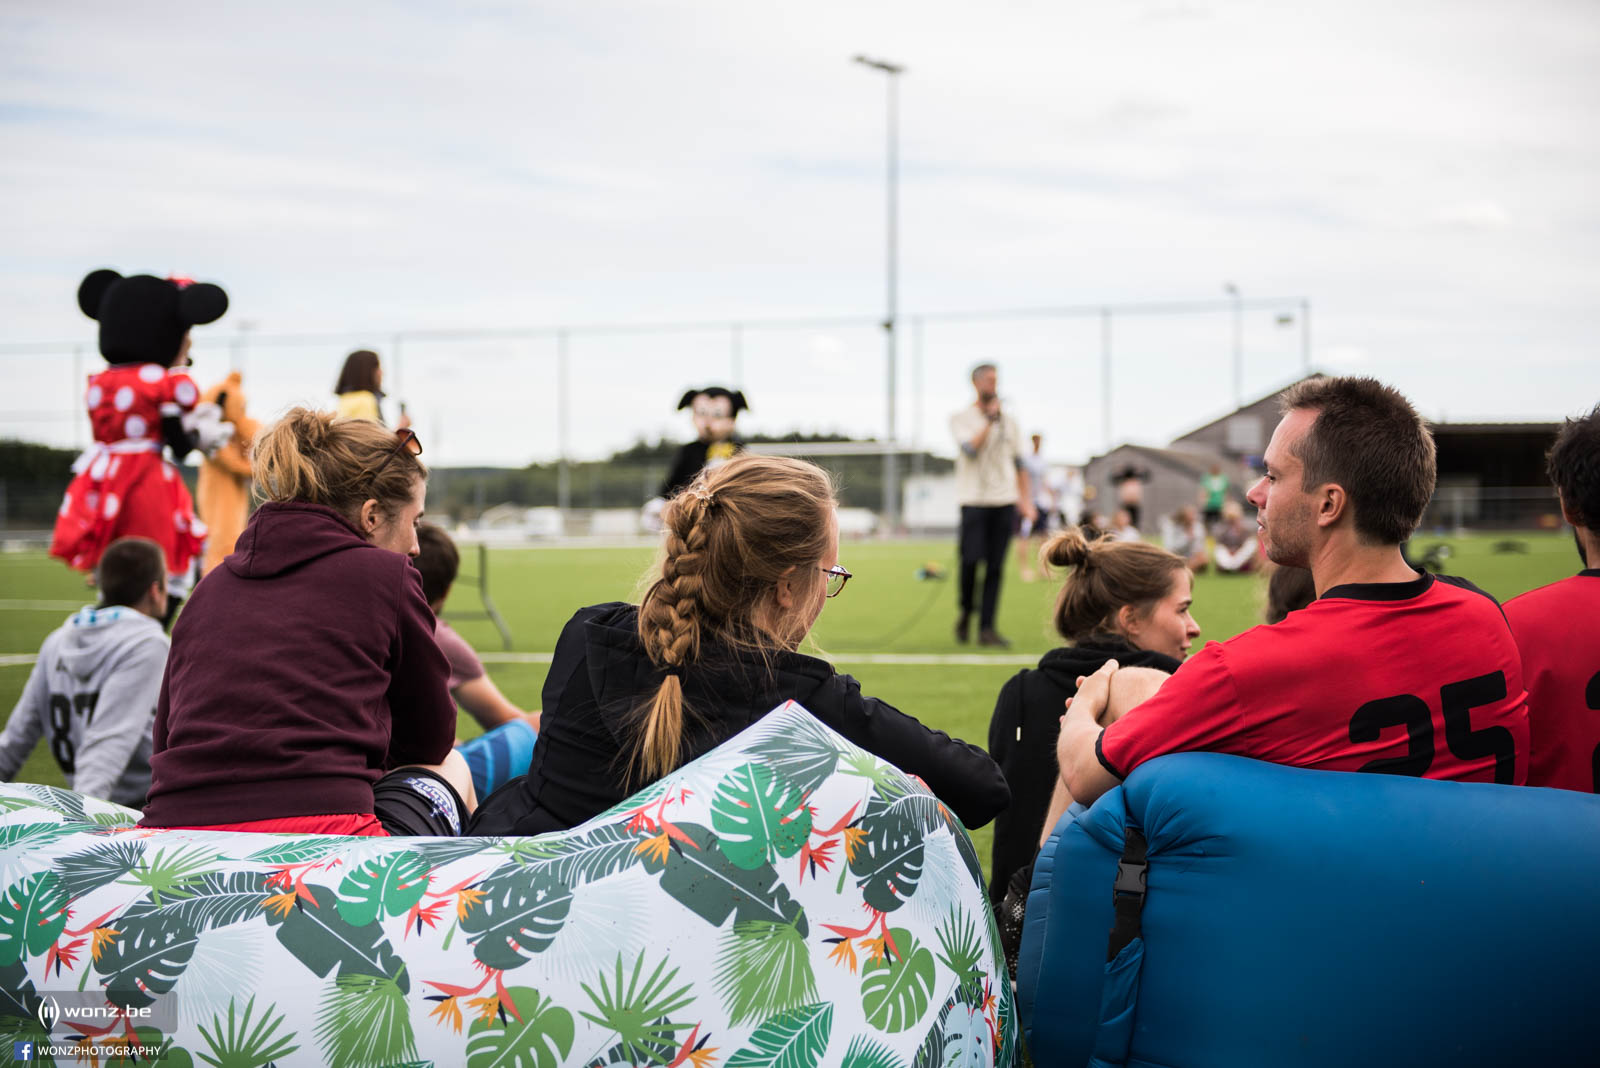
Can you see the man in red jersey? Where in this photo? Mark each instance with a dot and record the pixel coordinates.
(1389, 670)
(1554, 627)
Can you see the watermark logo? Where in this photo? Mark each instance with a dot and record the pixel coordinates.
(22, 1051)
(49, 1013)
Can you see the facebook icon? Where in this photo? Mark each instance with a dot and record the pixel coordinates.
(22, 1051)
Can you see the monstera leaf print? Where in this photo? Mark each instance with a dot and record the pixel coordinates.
(146, 957)
(33, 913)
(518, 915)
(323, 940)
(960, 1039)
(701, 878)
(538, 1035)
(215, 899)
(888, 860)
(805, 755)
(383, 887)
(897, 987)
(763, 968)
(759, 816)
(794, 1039)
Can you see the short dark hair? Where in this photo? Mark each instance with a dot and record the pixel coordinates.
(438, 560)
(1573, 464)
(982, 367)
(127, 570)
(1370, 440)
(360, 372)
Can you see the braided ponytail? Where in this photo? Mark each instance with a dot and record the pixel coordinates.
(669, 627)
(729, 539)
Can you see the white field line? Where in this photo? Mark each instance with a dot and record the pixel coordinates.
(905, 659)
(8, 605)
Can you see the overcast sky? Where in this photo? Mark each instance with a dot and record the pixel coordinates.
(1423, 172)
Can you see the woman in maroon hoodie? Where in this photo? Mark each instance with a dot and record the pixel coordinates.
(304, 692)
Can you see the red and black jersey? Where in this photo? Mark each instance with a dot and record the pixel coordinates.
(1554, 628)
(1410, 678)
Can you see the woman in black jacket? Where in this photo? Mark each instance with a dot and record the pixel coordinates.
(751, 553)
(1127, 601)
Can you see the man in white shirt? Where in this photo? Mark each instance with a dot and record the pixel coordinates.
(992, 488)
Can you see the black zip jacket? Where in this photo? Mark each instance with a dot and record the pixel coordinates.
(1022, 738)
(600, 676)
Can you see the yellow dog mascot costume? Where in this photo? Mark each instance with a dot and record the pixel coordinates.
(224, 487)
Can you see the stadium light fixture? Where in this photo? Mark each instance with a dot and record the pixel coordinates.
(891, 496)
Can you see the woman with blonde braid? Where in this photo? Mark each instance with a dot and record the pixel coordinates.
(750, 554)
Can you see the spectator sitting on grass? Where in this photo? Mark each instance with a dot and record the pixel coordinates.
(1185, 536)
(1237, 549)
(750, 555)
(470, 685)
(93, 689)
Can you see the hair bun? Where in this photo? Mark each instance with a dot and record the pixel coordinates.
(1067, 549)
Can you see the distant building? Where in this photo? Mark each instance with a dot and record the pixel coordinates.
(1491, 475)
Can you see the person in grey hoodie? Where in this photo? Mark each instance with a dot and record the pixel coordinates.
(93, 689)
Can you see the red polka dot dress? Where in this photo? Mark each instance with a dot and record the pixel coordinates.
(123, 484)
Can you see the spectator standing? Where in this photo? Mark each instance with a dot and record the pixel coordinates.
(360, 389)
(1555, 628)
(1130, 491)
(1031, 533)
(992, 487)
(1213, 492)
(93, 689)
(1389, 670)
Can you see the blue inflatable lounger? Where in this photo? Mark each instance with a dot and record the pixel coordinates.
(786, 900)
(1215, 910)
(496, 757)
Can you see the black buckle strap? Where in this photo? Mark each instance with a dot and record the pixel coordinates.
(1127, 893)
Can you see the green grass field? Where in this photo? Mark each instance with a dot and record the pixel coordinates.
(886, 609)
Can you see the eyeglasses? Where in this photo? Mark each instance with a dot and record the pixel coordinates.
(405, 440)
(837, 577)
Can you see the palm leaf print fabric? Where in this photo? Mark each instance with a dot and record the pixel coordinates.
(786, 900)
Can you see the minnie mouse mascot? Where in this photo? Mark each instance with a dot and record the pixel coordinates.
(143, 402)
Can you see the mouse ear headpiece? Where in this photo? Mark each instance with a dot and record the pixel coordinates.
(93, 289)
(143, 319)
(736, 400)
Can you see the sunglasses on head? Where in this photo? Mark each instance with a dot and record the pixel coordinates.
(406, 440)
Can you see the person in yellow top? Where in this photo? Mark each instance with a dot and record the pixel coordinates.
(360, 389)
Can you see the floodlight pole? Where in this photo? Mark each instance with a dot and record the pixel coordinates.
(1238, 343)
(891, 496)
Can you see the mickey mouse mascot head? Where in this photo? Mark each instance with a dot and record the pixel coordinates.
(142, 402)
(715, 411)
